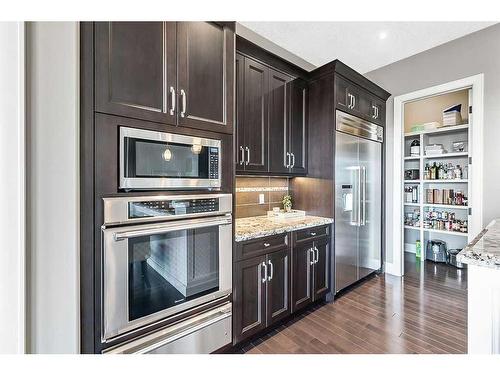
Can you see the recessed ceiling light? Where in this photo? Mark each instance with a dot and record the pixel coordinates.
(382, 35)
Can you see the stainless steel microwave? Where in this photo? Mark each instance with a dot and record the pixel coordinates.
(151, 160)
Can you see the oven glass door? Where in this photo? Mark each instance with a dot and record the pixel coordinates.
(154, 271)
(163, 160)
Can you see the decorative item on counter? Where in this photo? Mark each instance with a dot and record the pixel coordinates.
(415, 148)
(287, 203)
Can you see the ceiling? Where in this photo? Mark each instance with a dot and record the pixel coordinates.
(364, 46)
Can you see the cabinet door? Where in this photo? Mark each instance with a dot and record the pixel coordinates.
(205, 61)
(278, 122)
(302, 275)
(249, 298)
(298, 126)
(278, 286)
(377, 111)
(341, 99)
(322, 255)
(239, 128)
(255, 121)
(135, 69)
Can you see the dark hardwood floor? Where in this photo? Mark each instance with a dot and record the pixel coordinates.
(423, 312)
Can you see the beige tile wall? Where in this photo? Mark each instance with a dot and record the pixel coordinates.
(248, 190)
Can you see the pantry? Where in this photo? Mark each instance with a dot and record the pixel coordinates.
(437, 146)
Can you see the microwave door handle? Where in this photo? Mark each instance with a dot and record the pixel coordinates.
(169, 227)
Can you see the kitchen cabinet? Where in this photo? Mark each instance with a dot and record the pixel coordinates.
(249, 298)
(177, 73)
(309, 266)
(261, 292)
(135, 69)
(271, 126)
(273, 278)
(252, 121)
(357, 101)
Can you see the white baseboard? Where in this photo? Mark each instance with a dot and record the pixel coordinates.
(410, 248)
(392, 269)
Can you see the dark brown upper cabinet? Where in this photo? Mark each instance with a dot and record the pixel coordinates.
(271, 120)
(173, 73)
(252, 115)
(359, 102)
(298, 126)
(279, 134)
(205, 55)
(135, 69)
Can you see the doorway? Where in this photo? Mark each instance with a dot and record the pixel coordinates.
(438, 162)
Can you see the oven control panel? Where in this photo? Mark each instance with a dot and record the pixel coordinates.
(160, 208)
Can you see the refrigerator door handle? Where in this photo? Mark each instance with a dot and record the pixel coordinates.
(363, 217)
(359, 219)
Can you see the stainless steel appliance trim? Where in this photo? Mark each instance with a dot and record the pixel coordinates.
(356, 126)
(171, 226)
(166, 182)
(114, 288)
(116, 208)
(176, 331)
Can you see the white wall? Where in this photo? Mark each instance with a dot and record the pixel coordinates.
(53, 136)
(12, 148)
(467, 56)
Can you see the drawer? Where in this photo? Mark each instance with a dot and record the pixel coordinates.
(313, 233)
(260, 246)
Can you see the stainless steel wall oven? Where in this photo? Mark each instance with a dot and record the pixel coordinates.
(163, 255)
(152, 160)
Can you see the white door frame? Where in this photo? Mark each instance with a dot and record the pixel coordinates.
(476, 83)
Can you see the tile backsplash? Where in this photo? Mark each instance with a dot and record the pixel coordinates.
(248, 190)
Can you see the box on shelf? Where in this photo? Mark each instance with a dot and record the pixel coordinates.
(435, 149)
(452, 115)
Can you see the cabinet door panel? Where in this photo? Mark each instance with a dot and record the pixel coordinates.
(249, 297)
(255, 120)
(205, 70)
(278, 122)
(298, 126)
(278, 288)
(322, 250)
(135, 69)
(341, 100)
(239, 125)
(301, 275)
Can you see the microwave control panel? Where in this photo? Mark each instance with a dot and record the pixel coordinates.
(213, 163)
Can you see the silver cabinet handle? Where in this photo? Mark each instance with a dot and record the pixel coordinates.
(293, 158)
(287, 161)
(311, 250)
(317, 255)
(242, 159)
(248, 156)
(184, 103)
(350, 101)
(374, 111)
(376, 108)
(265, 272)
(172, 101)
(272, 270)
(313, 233)
(266, 244)
(353, 101)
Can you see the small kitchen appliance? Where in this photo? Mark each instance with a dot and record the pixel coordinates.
(436, 251)
(452, 258)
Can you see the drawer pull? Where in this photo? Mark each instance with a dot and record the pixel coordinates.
(266, 244)
(313, 233)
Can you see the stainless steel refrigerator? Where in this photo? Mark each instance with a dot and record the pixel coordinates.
(358, 199)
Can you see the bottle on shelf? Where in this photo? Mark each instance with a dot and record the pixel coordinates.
(457, 172)
(427, 172)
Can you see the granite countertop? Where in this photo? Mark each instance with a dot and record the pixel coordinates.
(261, 226)
(484, 250)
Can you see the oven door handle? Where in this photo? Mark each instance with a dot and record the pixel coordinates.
(169, 227)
